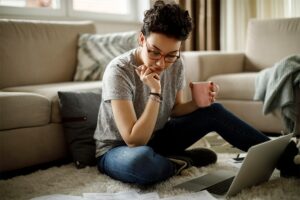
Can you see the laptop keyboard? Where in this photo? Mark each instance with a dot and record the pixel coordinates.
(220, 188)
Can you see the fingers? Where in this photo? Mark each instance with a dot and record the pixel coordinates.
(138, 72)
(214, 90)
(214, 87)
(155, 76)
(212, 96)
(146, 73)
(144, 70)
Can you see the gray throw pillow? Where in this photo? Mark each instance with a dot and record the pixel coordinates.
(79, 111)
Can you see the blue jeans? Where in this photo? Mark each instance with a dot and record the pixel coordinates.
(148, 164)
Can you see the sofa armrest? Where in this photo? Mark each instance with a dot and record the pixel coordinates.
(200, 65)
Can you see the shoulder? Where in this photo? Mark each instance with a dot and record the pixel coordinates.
(122, 59)
(121, 64)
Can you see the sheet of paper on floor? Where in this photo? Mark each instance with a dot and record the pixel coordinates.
(205, 195)
(125, 195)
(58, 197)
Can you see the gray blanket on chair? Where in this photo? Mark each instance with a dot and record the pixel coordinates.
(276, 87)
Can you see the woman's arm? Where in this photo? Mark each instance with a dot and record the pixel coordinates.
(182, 108)
(135, 132)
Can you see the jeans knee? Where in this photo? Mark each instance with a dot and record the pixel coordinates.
(151, 167)
(139, 165)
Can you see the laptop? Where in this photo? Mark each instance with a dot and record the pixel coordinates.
(256, 168)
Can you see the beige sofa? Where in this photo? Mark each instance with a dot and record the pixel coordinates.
(268, 41)
(37, 59)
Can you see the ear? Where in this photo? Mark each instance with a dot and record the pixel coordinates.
(141, 39)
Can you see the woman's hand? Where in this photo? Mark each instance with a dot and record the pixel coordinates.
(151, 79)
(214, 89)
(204, 93)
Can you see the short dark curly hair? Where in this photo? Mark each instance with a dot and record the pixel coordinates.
(168, 19)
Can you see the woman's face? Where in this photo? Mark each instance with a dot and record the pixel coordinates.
(159, 51)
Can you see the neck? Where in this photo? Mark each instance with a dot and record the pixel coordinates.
(138, 59)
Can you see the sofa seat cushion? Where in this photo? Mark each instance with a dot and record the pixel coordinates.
(21, 110)
(50, 92)
(238, 86)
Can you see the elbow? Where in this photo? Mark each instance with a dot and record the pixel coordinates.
(130, 145)
(134, 139)
(135, 143)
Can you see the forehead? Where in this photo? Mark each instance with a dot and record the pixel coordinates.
(163, 42)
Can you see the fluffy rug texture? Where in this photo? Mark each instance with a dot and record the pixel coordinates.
(68, 180)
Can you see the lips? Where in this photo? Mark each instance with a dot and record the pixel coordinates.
(155, 69)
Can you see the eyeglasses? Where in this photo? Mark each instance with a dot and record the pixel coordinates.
(157, 55)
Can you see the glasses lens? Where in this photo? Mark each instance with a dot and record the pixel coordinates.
(154, 55)
(171, 58)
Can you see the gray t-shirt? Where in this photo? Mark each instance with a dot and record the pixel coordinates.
(120, 81)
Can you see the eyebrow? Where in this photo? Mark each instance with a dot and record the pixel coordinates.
(161, 50)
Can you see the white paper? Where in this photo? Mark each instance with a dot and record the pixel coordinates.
(112, 196)
(192, 196)
(58, 197)
(149, 196)
(128, 195)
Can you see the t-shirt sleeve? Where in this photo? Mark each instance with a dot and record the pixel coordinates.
(116, 83)
(181, 83)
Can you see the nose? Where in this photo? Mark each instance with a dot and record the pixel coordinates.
(161, 62)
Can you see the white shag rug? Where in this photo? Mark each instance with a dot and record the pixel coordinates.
(71, 181)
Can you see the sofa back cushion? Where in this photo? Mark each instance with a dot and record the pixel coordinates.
(39, 52)
(269, 41)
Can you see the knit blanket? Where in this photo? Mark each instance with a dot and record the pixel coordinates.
(276, 87)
